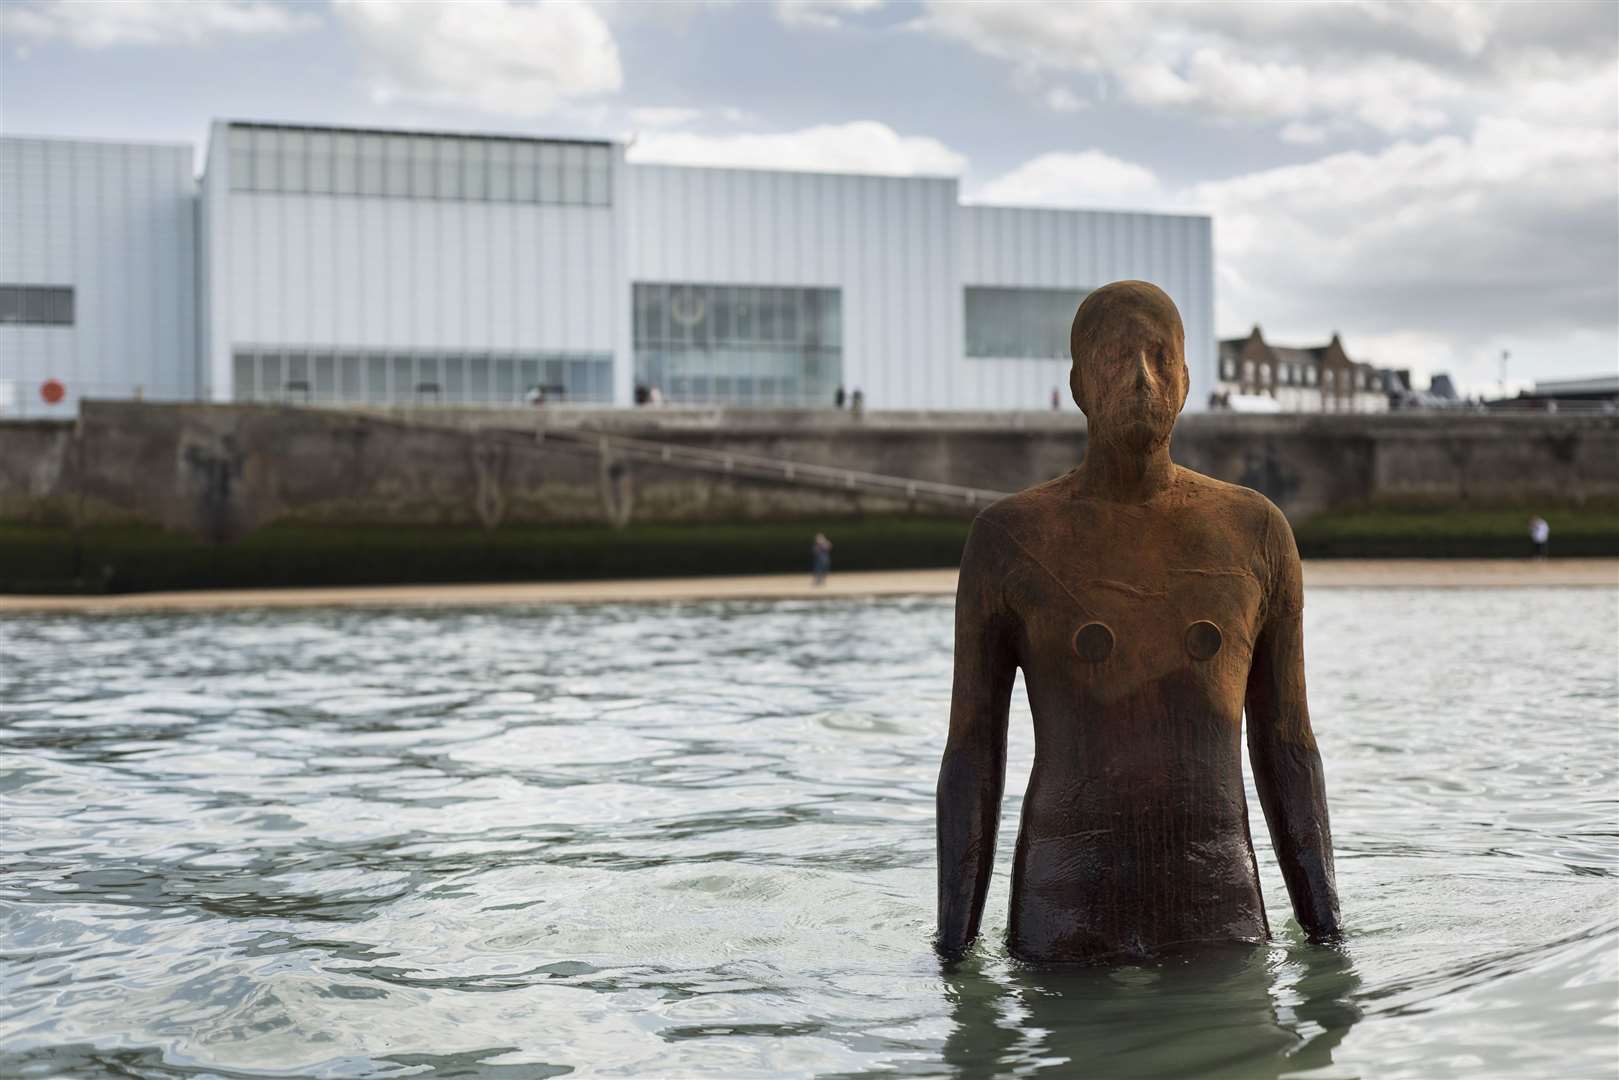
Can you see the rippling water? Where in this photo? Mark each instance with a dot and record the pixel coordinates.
(698, 840)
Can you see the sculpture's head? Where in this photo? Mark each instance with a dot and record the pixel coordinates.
(1129, 376)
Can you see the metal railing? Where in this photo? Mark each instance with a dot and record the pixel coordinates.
(752, 466)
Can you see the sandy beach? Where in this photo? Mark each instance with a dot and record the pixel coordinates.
(1318, 574)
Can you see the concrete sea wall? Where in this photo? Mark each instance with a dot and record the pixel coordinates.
(221, 471)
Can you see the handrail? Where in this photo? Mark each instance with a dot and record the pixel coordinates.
(793, 472)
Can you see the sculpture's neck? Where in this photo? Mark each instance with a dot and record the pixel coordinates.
(1125, 474)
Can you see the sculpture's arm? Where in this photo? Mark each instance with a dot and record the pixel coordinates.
(1281, 747)
(973, 771)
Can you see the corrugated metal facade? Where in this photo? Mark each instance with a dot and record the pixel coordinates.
(1082, 249)
(115, 222)
(320, 269)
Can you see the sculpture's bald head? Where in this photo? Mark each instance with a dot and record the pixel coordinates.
(1129, 376)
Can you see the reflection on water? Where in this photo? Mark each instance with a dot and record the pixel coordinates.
(1223, 1012)
(697, 840)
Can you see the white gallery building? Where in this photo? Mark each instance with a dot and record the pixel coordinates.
(336, 265)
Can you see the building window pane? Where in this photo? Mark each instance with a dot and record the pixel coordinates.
(241, 159)
(351, 385)
(293, 176)
(423, 182)
(573, 174)
(525, 163)
(346, 164)
(598, 180)
(38, 305)
(320, 163)
(550, 173)
(500, 171)
(244, 377)
(454, 378)
(372, 165)
(478, 384)
(449, 168)
(297, 377)
(429, 388)
(271, 384)
(376, 378)
(401, 379)
(474, 177)
(398, 157)
(324, 383)
(505, 389)
(727, 343)
(266, 161)
(1019, 323)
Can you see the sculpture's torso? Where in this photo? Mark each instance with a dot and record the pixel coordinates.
(1135, 833)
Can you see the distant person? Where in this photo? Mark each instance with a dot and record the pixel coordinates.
(654, 397)
(838, 397)
(857, 403)
(1056, 400)
(1540, 536)
(821, 558)
(642, 394)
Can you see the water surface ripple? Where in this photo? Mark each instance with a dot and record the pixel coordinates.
(697, 840)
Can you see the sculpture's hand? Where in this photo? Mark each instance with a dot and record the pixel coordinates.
(973, 772)
(1281, 746)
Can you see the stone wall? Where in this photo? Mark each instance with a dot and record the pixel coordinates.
(222, 470)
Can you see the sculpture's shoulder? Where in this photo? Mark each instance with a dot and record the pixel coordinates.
(1022, 517)
(1242, 510)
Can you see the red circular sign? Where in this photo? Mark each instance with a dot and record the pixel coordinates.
(52, 391)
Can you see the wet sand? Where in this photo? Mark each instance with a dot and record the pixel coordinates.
(1318, 574)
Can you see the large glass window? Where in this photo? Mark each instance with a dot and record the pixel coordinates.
(1028, 324)
(746, 345)
(37, 305)
(420, 377)
(335, 161)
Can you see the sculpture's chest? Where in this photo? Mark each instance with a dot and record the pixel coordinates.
(1109, 636)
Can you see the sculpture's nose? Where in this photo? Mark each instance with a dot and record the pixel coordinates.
(1144, 379)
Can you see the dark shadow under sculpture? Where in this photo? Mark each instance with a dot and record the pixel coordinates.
(1147, 605)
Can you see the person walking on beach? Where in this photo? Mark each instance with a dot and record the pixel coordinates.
(1540, 535)
(821, 558)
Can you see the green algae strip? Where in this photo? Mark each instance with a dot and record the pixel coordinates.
(49, 559)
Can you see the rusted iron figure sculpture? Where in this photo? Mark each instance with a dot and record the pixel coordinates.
(1146, 605)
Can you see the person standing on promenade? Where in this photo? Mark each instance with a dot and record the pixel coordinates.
(1540, 535)
(821, 558)
(838, 397)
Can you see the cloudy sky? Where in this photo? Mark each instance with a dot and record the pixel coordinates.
(1436, 181)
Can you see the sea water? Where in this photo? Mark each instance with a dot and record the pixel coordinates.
(696, 839)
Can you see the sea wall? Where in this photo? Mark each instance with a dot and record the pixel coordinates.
(221, 471)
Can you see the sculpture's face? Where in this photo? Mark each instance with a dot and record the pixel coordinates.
(1129, 374)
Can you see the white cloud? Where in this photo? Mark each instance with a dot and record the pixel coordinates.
(1062, 99)
(663, 116)
(150, 22)
(822, 14)
(1089, 179)
(864, 146)
(1302, 134)
(1393, 68)
(1511, 230)
(1428, 253)
(498, 56)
